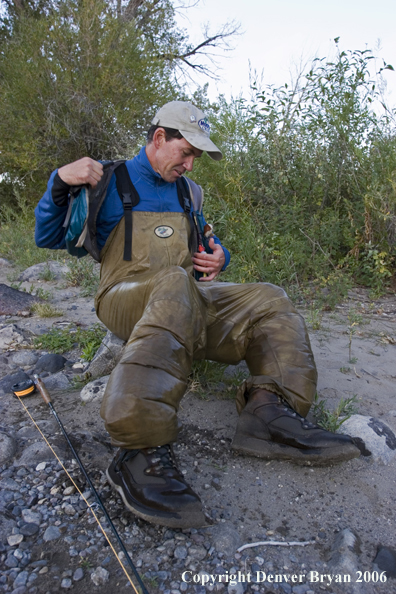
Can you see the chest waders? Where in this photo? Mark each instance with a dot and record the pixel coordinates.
(168, 319)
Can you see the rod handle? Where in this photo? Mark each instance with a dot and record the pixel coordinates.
(42, 389)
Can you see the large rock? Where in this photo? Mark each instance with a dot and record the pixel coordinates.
(100, 576)
(51, 363)
(7, 448)
(378, 438)
(107, 356)
(344, 552)
(9, 380)
(14, 302)
(94, 390)
(58, 381)
(24, 358)
(10, 337)
(226, 539)
(38, 452)
(50, 270)
(385, 560)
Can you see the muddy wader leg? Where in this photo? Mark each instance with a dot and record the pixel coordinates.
(258, 323)
(143, 395)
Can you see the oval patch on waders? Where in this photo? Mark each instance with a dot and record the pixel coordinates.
(163, 231)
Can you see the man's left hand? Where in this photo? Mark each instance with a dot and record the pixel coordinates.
(209, 264)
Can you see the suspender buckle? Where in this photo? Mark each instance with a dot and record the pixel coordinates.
(127, 201)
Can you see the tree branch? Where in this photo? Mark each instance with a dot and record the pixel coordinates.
(219, 41)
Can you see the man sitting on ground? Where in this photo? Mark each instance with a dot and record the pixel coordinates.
(169, 319)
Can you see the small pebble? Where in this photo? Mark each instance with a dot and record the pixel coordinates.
(78, 574)
(14, 539)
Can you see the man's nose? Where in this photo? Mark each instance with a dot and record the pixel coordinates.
(188, 163)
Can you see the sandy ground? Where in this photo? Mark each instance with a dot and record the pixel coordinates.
(260, 499)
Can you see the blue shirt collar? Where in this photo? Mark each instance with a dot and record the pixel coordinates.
(145, 168)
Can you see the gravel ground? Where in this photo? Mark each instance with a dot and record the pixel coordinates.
(52, 542)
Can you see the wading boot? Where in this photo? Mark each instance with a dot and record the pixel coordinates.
(152, 487)
(269, 428)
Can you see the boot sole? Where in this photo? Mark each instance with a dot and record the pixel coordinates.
(270, 450)
(187, 519)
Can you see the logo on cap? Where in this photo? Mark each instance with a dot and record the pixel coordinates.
(204, 125)
(193, 119)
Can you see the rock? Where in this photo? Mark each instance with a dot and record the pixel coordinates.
(10, 336)
(385, 560)
(44, 270)
(197, 552)
(78, 367)
(21, 579)
(78, 574)
(225, 539)
(107, 356)
(343, 556)
(14, 539)
(31, 517)
(14, 302)
(100, 576)
(94, 390)
(4, 262)
(29, 529)
(24, 358)
(58, 381)
(377, 437)
(47, 426)
(66, 583)
(36, 452)
(69, 509)
(180, 552)
(9, 380)
(10, 484)
(7, 447)
(41, 466)
(51, 533)
(51, 363)
(235, 588)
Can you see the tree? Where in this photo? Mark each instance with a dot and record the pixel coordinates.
(82, 77)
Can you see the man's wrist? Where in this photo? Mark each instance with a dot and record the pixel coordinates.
(60, 191)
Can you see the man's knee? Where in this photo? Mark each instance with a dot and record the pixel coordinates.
(270, 296)
(270, 291)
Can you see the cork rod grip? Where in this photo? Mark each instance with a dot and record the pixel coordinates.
(42, 389)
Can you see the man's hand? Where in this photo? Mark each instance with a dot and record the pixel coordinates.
(211, 264)
(81, 172)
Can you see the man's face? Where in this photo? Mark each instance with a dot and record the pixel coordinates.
(174, 158)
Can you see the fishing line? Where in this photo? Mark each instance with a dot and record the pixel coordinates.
(47, 399)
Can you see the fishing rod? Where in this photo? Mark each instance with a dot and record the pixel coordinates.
(22, 390)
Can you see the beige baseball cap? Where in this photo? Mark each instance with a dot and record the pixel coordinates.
(192, 124)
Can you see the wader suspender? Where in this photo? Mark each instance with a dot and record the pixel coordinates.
(131, 198)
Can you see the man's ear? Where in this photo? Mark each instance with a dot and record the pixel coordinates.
(159, 138)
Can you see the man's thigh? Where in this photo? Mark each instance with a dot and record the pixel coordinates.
(232, 310)
(154, 298)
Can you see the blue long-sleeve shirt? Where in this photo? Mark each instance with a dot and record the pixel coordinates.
(156, 195)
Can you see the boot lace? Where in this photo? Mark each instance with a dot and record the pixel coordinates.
(161, 458)
(304, 422)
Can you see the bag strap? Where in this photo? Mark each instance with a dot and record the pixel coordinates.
(130, 198)
(183, 194)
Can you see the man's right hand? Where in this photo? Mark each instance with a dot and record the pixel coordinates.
(81, 172)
